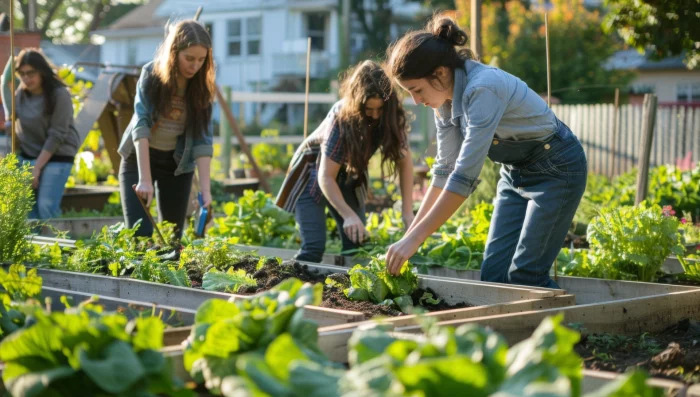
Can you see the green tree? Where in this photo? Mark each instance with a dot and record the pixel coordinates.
(578, 48)
(70, 20)
(670, 27)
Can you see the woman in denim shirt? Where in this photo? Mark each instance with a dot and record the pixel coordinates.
(482, 111)
(170, 131)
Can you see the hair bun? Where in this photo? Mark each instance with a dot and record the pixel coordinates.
(446, 28)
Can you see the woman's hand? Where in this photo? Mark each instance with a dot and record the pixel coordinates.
(355, 229)
(400, 252)
(206, 199)
(145, 191)
(36, 173)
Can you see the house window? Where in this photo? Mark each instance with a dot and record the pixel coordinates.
(244, 36)
(132, 51)
(253, 35)
(688, 92)
(234, 37)
(316, 29)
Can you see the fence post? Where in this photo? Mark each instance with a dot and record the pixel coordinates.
(615, 131)
(225, 133)
(648, 122)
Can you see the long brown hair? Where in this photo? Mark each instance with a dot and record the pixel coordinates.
(200, 89)
(49, 79)
(365, 81)
(417, 54)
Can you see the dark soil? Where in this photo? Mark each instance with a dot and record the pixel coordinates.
(334, 298)
(272, 274)
(579, 241)
(673, 353)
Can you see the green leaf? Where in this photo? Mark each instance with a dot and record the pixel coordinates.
(366, 345)
(38, 383)
(405, 303)
(281, 353)
(230, 281)
(445, 376)
(254, 367)
(214, 310)
(310, 379)
(177, 277)
(357, 294)
(149, 334)
(117, 371)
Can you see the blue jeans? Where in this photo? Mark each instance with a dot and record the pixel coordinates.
(52, 183)
(311, 218)
(537, 198)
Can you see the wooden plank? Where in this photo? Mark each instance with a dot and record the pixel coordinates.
(79, 227)
(170, 314)
(594, 380)
(590, 290)
(334, 340)
(623, 317)
(165, 294)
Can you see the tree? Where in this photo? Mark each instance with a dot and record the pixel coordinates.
(578, 48)
(376, 20)
(70, 20)
(669, 27)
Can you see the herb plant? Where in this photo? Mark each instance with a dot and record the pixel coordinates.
(16, 201)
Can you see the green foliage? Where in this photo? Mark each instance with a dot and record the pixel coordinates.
(467, 361)
(255, 220)
(16, 201)
(254, 339)
(19, 290)
(272, 156)
(669, 26)
(375, 284)
(633, 242)
(514, 36)
(577, 263)
(229, 281)
(462, 242)
(84, 351)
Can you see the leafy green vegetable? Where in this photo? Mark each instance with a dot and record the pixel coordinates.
(84, 351)
(375, 284)
(255, 220)
(249, 340)
(633, 242)
(229, 281)
(19, 288)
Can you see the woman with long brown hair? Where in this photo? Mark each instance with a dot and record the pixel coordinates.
(330, 167)
(483, 111)
(170, 133)
(45, 128)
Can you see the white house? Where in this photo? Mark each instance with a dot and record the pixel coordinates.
(258, 45)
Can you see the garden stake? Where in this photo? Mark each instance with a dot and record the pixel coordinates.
(148, 214)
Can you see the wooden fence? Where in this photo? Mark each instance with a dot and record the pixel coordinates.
(610, 152)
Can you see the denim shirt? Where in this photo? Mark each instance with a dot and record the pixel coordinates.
(487, 103)
(190, 145)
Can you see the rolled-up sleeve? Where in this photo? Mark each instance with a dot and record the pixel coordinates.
(61, 120)
(482, 113)
(144, 123)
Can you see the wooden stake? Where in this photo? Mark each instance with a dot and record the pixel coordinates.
(306, 100)
(549, 73)
(241, 140)
(648, 122)
(13, 147)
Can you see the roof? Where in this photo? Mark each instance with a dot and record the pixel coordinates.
(68, 54)
(633, 60)
(140, 17)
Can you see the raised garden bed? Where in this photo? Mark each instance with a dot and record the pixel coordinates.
(86, 197)
(79, 228)
(238, 186)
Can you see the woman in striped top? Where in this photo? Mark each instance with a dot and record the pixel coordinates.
(330, 166)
